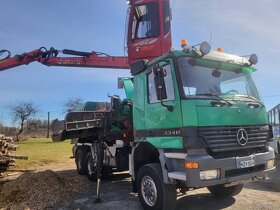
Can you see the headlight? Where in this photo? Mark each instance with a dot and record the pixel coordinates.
(270, 164)
(210, 174)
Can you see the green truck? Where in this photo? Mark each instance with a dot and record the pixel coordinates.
(192, 118)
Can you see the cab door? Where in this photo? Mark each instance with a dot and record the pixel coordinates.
(163, 117)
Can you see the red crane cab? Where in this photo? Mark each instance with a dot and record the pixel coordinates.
(149, 29)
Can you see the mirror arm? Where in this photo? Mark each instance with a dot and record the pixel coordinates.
(169, 107)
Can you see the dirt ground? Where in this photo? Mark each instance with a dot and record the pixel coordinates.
(63, 189)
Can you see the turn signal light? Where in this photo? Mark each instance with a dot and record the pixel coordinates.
(219, 49)
(190, 165)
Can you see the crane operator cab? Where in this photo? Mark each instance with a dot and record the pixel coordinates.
(149, 34)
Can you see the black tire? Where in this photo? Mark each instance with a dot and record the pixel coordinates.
(91, 168)
(106, 172)
(224, 192)
(150, 175)
(80, 160)
(278, 147)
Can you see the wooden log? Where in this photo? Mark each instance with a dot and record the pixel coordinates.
(17, 157)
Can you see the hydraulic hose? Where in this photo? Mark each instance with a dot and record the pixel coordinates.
(7, 56)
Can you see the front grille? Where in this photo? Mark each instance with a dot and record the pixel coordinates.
(221, 139)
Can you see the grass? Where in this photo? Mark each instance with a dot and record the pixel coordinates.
(41, 152)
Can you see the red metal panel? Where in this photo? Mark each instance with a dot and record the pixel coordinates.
(19, 60)
(92, 61)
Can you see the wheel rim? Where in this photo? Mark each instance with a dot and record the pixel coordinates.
(91, 165)
(79, 162)
(149, 190)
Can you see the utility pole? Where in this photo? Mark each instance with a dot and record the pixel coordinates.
(48, 134)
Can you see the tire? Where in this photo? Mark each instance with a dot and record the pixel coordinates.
(91, 168)
(80, 160)
(278, 147)
(106, 172)
(224, 192)
(149, 178)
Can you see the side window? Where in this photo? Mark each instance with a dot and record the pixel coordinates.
(152, 95)
(270, 117)
(145, 21)
(276, 117)
(167, 17)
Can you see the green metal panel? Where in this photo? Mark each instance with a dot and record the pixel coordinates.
(189, 113)
(166, 142)
(128, 85)
(237, 114)
(126, 82)
(138, 102)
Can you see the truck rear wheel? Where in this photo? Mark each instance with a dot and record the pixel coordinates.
(152, 192)
(80, 159)
(91, 167)
(224, 192)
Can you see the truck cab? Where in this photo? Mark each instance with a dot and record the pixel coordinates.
(192, 118)
(199, 121)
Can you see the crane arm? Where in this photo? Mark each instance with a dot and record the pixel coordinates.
(50, 58)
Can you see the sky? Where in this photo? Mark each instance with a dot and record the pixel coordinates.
(240, 27)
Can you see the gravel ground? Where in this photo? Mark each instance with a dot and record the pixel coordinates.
(64, 189)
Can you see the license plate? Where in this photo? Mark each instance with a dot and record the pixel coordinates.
(245, 163)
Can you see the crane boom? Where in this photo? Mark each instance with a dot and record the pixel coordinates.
(148, 36)
(49, 58)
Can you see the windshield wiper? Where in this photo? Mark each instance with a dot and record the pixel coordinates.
(251, 97)
(215, 95)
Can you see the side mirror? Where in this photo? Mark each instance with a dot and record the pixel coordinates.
(160, 73)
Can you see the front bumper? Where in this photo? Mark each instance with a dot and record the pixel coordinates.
(229, 172)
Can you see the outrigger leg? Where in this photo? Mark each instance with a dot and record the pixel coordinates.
(99, 170)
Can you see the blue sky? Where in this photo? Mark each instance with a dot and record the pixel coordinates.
(239, 27)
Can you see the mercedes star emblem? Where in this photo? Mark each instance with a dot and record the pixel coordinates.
(242, 137)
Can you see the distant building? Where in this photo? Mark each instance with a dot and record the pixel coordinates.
(274, 119)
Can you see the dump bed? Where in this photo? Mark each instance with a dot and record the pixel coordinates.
(80, 124)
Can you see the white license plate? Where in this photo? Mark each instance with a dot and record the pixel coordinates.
(245, 163)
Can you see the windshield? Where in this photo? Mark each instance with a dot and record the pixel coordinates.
(200, 81)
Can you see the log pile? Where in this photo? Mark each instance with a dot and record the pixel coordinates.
(7, 146)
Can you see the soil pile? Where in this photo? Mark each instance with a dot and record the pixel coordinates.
(38, 190)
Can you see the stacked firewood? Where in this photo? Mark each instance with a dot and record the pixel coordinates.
(6, 148)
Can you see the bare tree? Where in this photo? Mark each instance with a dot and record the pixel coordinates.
(21, 113)
(72, 103)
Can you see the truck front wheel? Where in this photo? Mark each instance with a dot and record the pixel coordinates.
(224, 192)
(152, 192)
(80, 159)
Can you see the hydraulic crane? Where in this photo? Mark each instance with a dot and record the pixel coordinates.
(148, 36)
(192, 118)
